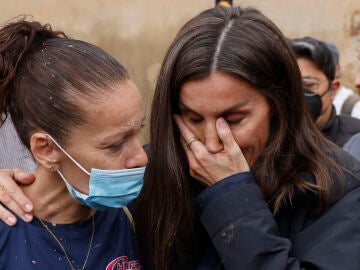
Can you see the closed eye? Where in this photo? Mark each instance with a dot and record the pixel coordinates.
(234, 122)
(195, 120)
(116, 146)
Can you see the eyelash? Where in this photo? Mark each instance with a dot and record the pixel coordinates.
(231, 123)
(195, 121)
(234, 123)
(117, 146)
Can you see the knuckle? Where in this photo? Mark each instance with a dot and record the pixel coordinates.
(201, 156)
(7, 171)
(11, 190)
(17, 170)
(6, 200)
(3, 213)
(194, 168)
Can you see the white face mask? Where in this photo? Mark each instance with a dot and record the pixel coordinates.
(108, 188)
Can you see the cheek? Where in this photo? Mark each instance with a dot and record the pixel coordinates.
(199, 132)
(326, 102)
(113, 161)
(197, 129)
(102, 159)
(245, 137)
(252, 138)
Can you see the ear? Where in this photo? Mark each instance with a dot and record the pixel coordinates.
(335, 87)
(45, 152)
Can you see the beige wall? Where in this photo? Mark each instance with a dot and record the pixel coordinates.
(137, 32)
(331, 20)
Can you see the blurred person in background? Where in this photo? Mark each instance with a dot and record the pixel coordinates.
(14, 154)
(318, 77)
(345, 100)
(357, 78)
(353, 145)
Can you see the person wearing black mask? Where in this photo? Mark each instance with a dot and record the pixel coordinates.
(318, 73)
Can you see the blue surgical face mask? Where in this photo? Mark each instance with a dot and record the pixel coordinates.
(108, 188)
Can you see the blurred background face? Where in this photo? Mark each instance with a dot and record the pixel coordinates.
(109, 138)
(357, 81)
(220, 95)
(315, 81)
(357, 78)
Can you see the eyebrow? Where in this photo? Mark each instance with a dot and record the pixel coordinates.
(120, 134)
(230, 110)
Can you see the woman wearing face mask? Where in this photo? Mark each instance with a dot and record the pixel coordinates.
(78, 111)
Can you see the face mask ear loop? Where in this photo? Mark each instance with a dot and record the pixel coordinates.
(329, 90)
(70, 157)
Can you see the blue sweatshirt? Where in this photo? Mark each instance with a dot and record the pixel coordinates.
(30, 246)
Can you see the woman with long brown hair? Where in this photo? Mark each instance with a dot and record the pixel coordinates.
(230, 133)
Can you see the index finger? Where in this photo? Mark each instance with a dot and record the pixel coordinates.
(12, 196)
(225, 135)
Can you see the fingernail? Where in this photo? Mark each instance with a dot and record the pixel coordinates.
(28, 217)
(28, 207)
(221, 122)
(11, 220)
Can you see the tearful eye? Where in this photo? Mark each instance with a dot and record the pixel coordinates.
(234, 122)
(116, 146)
(195, 120)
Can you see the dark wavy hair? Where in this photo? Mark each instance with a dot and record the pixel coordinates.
(318, 53)
(248, 46)
(43, 73)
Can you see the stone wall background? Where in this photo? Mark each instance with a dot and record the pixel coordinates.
(138, 32)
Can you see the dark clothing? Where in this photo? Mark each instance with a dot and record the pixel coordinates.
(247, 236)
(352, 146)
(340, 128)
(30, 246)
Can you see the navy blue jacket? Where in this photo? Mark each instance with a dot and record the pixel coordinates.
(247, 236)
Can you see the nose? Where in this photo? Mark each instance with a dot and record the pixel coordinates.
(138, 157)
(212, 141)
(357, 81)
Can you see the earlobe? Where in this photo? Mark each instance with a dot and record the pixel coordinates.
(335, 86)
(44, 151)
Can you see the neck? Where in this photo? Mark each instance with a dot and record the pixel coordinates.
(324, 118)
(52, 201)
